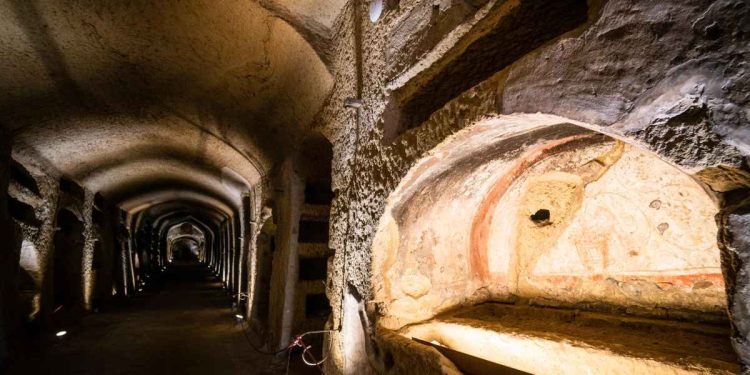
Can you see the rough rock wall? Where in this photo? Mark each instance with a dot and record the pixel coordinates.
(91, 236)
(734, 238)
(42, 237)
(669, 75)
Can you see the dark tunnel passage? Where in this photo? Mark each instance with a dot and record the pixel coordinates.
(186, 250)
(68, 242)
(362, 187)
(174, 302)
(137, 196)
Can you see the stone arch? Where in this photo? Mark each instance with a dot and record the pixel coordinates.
(534, 209)
(188, 232)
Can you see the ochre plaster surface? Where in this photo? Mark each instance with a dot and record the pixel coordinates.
(626, 231)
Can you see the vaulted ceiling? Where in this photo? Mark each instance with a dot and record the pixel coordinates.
(150, 101)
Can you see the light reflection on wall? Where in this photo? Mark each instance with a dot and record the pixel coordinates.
(29, 263)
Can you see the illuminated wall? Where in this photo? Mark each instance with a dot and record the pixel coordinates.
(530, 207)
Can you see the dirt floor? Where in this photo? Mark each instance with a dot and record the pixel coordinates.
(181, 324)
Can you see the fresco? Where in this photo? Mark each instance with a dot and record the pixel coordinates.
(576, 219)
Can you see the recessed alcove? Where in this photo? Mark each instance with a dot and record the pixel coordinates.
(23, 177)
(521, 221)
(575, 341)
(23, 212)
(499, 39)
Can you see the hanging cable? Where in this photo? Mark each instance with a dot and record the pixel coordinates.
(249, 342)
(288, 360)
(296, 342)
(306, 348)
(299, 343)
(314, 361)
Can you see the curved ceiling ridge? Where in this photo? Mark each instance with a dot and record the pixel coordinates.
(153, 199)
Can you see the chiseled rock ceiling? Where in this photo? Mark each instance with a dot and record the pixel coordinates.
(187, 95)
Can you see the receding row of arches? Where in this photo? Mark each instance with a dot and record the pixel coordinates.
(78, 251)
(543, 187)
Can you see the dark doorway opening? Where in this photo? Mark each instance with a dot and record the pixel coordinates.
(69, 242)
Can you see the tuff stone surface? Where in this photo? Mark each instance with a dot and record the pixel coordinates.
(183, 110)
(190, 92)
(631, 68)
(734, 238)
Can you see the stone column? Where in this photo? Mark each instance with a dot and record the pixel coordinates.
(286, 260)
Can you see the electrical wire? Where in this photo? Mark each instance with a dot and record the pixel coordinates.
(306, 351)
(297, 342)
(249, 342)
(314, 361)
(288, 360)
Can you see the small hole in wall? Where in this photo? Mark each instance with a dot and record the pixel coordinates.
(317, 306)
(313, 232)
(541, 217)
(23, 212)
(21, 175)
(313, 269)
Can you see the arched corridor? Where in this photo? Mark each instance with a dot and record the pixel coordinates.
(374, 187)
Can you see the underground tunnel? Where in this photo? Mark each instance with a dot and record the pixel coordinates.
(375, 187)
